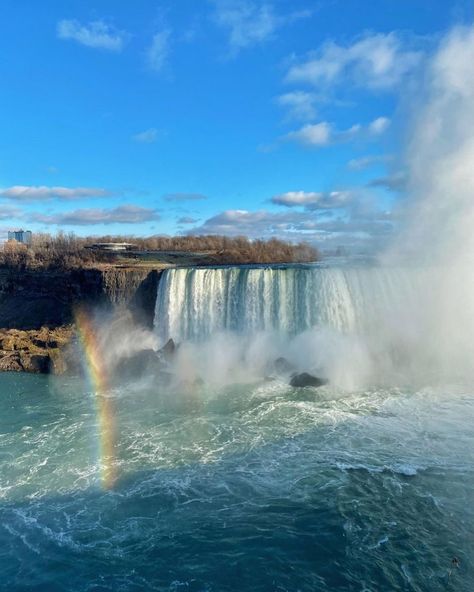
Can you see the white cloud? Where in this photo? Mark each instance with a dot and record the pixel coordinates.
(317, 134)
(377, 61)
(313, 200)
(332, 200)
(300, 104)
(252, 224)
(158, 51)
(248, 23)
(127, 214)
(148, 136)
(379, 126)
(349, 134)
(296, 198)
(324, 134)
(96, 34)
(358, 164)
(251, 22)
(25, 193)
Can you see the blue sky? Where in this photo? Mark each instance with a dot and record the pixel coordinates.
(275, 118)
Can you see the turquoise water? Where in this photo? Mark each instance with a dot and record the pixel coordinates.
(253, 487)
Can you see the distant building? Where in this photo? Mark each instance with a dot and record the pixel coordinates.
(20, 236)
(115, 247)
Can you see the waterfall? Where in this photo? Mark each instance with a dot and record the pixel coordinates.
(194, 303)
(379, 321)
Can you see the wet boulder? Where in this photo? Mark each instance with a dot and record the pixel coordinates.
(139, 364)
(304, 379)
(283, 366)
(168, 350)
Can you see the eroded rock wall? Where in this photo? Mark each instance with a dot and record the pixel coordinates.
(37, 310)
(33, 299)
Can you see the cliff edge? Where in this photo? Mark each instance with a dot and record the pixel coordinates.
(31, 299)
(37, 309)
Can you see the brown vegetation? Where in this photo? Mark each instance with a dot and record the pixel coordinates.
(63, 251)
(67, 251)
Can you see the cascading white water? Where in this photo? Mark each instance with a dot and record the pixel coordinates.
(354, 325)
(193, 304)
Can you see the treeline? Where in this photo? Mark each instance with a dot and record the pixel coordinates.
(243, 250)
(62, 251)
(68, 251)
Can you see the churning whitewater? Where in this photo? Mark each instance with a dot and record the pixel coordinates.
(238, 481)
(226, 477)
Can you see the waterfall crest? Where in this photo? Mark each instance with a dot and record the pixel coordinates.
(193, 304)
(387, 323)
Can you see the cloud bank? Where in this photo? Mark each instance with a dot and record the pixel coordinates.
(29, 193)
(126, 214)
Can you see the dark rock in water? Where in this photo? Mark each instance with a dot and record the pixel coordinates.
(138, 364)
(39, 363)
(305, 379)
(283, 366)
(168, 350)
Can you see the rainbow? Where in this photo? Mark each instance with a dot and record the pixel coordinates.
(104, 403)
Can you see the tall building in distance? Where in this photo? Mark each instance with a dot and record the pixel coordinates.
(21, 236)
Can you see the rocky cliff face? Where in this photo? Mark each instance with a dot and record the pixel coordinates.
(37, 310)
(34, 299)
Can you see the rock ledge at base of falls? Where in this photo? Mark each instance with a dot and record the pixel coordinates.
(40, 351)
(37, 309)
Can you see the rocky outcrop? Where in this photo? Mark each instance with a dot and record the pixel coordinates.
(283, 366)
(37, 310)
(168, 350)
(31, 299)
(38, 351)
(147, 362)
(305, 379)
(141, 363)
